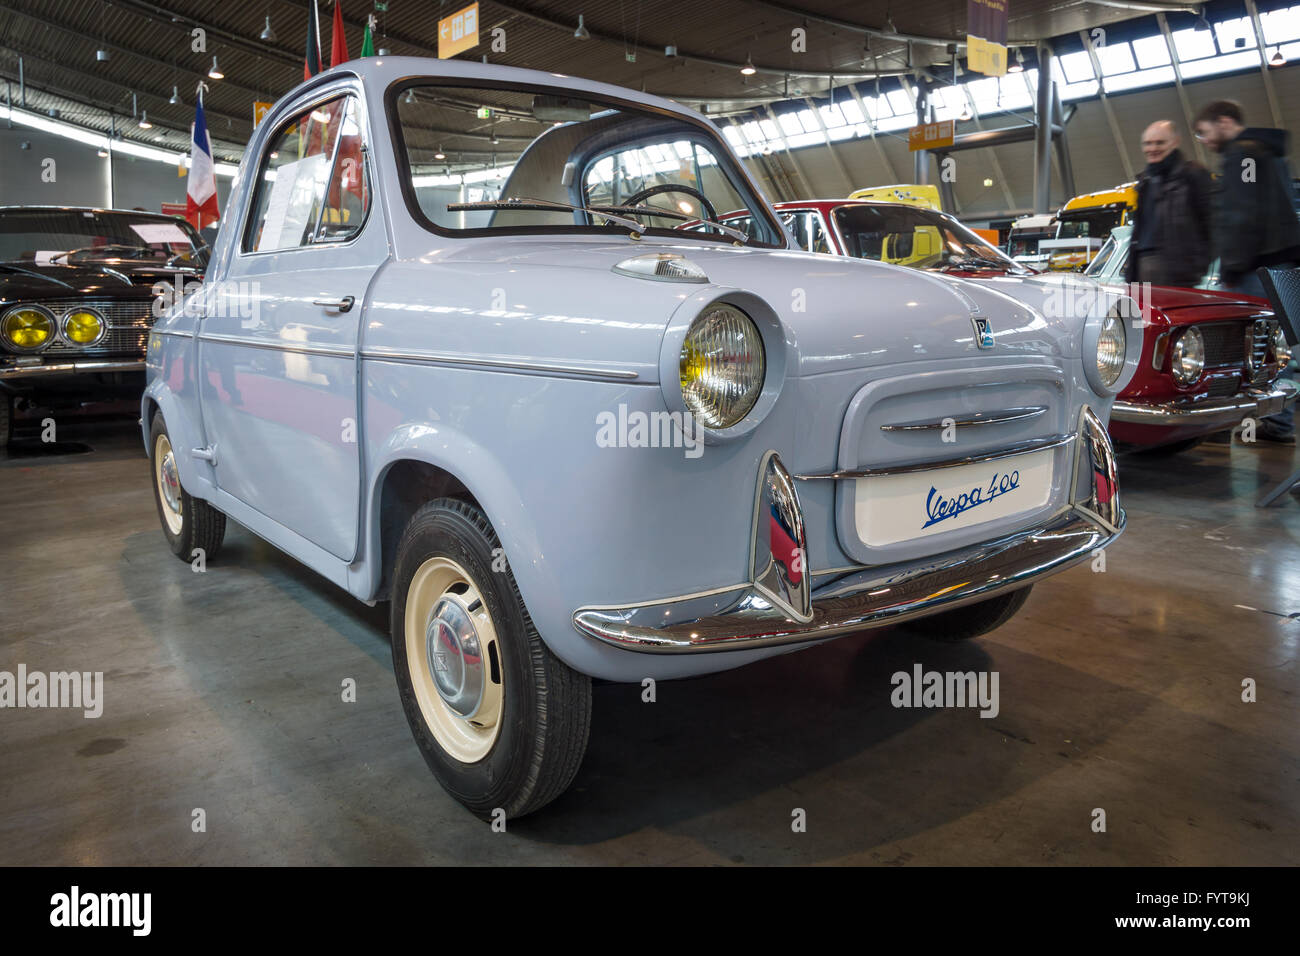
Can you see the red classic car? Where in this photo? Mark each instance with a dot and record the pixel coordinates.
(1210, 359)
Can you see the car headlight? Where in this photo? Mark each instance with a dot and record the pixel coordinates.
(83, 327)
(1281, 351)
(27, 328)
(1111, 349)
(722, 366)
(1187, 359)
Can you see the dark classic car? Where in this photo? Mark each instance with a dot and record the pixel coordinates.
(77, 300)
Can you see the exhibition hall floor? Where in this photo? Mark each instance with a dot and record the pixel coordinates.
(1120, 691)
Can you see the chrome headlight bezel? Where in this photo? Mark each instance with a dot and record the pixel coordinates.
(1124, 317)
(1187, 356)
(13, 346)
(99, 317)
(777, 349)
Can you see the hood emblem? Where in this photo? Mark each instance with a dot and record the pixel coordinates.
(983, 331)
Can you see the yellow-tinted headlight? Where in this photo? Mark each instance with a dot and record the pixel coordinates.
(27, 329)
(82, 327)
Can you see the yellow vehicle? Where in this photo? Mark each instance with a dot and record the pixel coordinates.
(925, 196)
(1085, 222)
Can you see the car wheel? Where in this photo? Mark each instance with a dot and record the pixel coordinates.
(188, 523)
(972, 620)
(500, 720)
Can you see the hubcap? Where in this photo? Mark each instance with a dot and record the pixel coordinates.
(454, 656)
(169, 484)
(452, 659)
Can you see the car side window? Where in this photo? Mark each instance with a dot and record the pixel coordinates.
(313, 185)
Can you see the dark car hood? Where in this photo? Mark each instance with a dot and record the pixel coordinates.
(30, 281)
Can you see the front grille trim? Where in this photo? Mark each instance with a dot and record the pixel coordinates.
(129, 322)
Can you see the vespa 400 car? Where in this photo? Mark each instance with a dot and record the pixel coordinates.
(475, 370)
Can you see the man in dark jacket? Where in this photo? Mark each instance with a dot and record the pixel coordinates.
(1171, 226)
(1255, 220)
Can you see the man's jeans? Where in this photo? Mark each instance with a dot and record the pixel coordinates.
(1284, 421)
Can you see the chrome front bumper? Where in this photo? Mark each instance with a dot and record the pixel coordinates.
(70, 368)
(1251, 403)
(770, 610)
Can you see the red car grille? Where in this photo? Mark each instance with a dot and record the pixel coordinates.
(1225, 344)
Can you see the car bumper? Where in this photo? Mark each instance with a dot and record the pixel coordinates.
(767, 611)
(1251, 403)
(49, 369)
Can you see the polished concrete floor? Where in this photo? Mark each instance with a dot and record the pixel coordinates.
(1119, 690)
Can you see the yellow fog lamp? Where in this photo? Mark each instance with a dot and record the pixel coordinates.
(27, 328)
(83, 327)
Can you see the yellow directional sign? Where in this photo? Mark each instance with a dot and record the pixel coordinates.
(458, 32)
(930, 136)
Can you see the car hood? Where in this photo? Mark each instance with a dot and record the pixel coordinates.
(841, 313)
(27, 281)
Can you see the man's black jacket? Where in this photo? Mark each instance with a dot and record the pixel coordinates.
(1255, 220)
(1182, 219)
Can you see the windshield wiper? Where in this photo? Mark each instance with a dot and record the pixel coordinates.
(735, 233)
(545, 205)
(105, 248)
(976, 262)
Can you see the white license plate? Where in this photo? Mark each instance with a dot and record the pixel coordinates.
(893, 508)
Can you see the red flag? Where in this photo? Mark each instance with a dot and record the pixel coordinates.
(311, 65)
(338, 42)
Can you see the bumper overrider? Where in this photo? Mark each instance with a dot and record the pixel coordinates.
(1249, 403)
(778, 606)
(81, 367)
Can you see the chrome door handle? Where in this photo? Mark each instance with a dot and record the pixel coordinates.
(342, 305)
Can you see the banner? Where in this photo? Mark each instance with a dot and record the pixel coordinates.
(986, 28)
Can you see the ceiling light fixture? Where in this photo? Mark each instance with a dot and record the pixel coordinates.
(267, 34)
(103, 153)
(964, 116)
(581, 33)
(1019, 65)
(102, 54)
(144, 120)
(215, 73)
(439, 154)
(175, 97)
(748, 69)
(1277, 59)
(1202, 24)
(410, 96)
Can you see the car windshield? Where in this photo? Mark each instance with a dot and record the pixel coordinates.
(1098, 265)
(480, 159)
(73, 236)
(1090, 224)
(920, 238)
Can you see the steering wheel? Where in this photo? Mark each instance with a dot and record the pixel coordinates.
(638, 198)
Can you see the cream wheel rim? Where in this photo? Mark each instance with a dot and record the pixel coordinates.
(169, 484)
(453, 660)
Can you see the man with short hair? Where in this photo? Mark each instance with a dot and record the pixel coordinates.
(1255, 221)
(1171, 225)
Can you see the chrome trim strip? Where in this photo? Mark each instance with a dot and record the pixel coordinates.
(446, 358)
(20, 371)
(176, 332)
(980, 418)
(334, 351)
(1225, 411)
(1019, 448)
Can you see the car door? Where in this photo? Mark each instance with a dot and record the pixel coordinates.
(278, 347)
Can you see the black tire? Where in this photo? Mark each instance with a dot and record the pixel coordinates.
(201, 525)
(544, 706)
(972, 620)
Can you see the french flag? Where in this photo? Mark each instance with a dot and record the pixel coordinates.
(201, 193)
